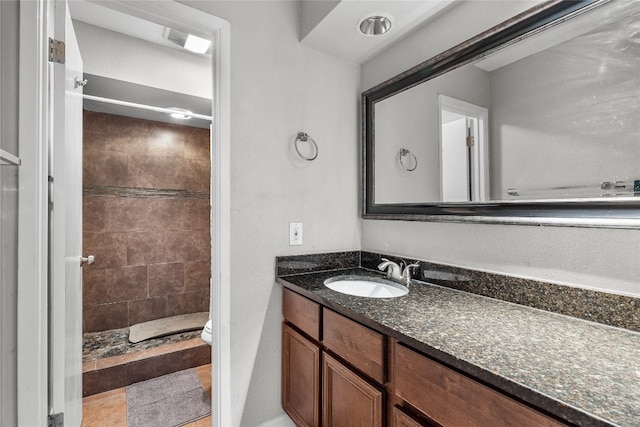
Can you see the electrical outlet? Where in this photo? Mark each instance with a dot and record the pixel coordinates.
(295, 233)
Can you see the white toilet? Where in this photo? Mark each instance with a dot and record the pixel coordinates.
(206, 332)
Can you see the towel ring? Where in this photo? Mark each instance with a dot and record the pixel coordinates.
(304, 137)
(406, 153)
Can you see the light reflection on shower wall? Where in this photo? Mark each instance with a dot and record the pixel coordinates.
(146, 218)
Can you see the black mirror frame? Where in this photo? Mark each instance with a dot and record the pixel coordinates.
(592, 213)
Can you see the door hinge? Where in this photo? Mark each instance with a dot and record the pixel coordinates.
(470, 141)
(56, 51)
(56, 420)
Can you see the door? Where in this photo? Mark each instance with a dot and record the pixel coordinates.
(65, 224)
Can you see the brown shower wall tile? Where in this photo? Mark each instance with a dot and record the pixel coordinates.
(183, 174)
(166, 140)
(147, 309)
(196, 145)
(197, 275)
(103, 168)
(197, 214)
(110, 249)
(105, 316)
(166, 279)
(127, 283)
(188, 245)
(148, 172)
(94, 286)
(146, 247)
(126, 214)
(93, 214)
(127, 135)
(94, 131)
(185, 303)
(167, 214)
(152, 252)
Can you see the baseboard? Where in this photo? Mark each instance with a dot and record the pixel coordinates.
(281, 421)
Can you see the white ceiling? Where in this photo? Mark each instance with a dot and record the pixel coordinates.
(338, 33)
(112, 20)
(103, 87)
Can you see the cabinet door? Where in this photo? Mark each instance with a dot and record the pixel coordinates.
(347, 399)
(300, 378)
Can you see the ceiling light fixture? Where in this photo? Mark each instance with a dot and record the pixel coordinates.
(188, 41)
(197, 44)
(179, 113)
(375, 25)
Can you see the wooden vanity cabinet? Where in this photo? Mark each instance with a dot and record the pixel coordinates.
(301, 359)
(324, 357)
(339, 373)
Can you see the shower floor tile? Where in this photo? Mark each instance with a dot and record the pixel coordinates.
(115, 342)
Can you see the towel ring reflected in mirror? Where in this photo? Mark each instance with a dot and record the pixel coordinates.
(403, 154)
(304, 137)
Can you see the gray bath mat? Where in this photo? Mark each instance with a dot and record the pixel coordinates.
(171, 400)
(167, 326)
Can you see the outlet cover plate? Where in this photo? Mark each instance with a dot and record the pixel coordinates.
(295, 233)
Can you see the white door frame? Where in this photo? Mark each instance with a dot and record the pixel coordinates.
(480, 166)
(32, 312)
(32, 232)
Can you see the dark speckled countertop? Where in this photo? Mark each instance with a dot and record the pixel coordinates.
(583, 372)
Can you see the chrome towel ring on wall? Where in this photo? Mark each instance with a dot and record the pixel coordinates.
(403, 154)
(304, 137)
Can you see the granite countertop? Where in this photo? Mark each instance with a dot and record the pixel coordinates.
(583, 372)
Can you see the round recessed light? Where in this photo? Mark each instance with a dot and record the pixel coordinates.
(375, 25)
(179, 113)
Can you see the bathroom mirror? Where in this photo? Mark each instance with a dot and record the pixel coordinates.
(534, 121)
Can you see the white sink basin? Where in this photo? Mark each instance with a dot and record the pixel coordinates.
(361, 286)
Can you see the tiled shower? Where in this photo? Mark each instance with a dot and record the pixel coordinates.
(146, 218)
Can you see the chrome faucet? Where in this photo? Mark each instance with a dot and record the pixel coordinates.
(401, 272)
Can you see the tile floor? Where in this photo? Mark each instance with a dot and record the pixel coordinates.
(109, 409)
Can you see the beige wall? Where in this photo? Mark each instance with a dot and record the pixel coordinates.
(598, 258)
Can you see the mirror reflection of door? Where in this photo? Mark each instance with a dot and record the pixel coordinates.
(463, 154)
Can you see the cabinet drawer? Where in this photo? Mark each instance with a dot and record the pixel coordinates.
(452, 399)
(302, 312)
(357, 344)
(400, 419)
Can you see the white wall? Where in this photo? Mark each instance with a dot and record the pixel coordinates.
(552, 131)
(9, 19)
(142, 62)
(599, 258)
(280, 87)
